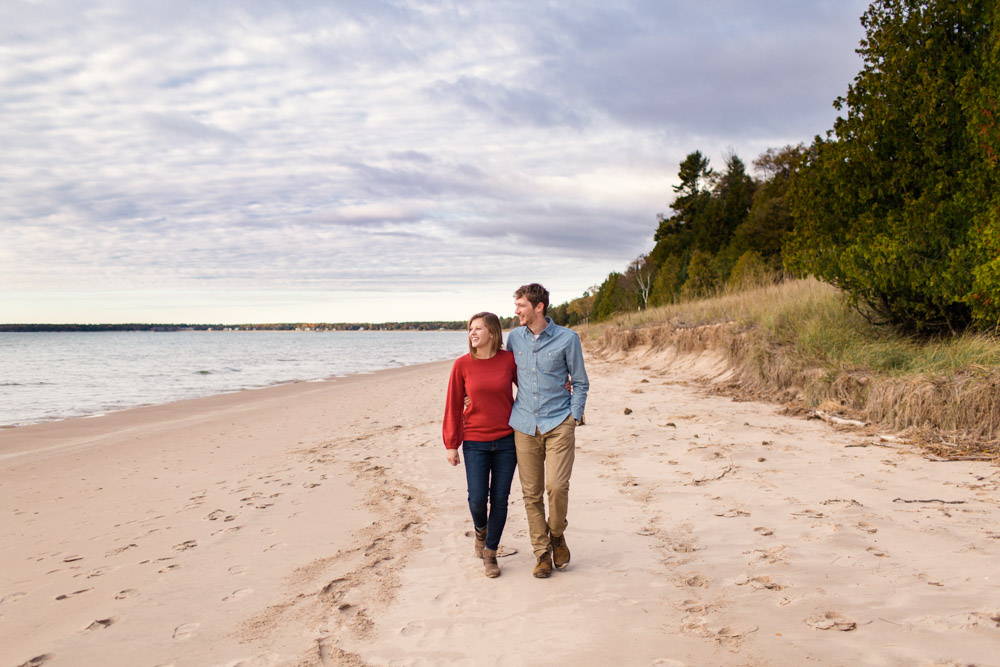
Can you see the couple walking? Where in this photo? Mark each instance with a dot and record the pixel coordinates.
(534, 433)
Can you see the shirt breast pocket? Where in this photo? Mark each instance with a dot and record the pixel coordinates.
(549, 362)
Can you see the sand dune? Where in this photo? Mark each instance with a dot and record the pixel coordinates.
(319, 524)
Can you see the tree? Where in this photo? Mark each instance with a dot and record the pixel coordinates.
(769, 220)
(612, 298)
(702, 278)
(731, 197)
(898, 204)
(693, 197)
(669, 278)
(641, 275)
(583, 306)
(749, 271)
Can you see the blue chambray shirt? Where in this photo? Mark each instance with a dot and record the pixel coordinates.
(542, 401)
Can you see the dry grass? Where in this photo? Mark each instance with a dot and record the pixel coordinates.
(800, 343)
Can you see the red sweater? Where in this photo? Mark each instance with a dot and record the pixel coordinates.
(489, 385)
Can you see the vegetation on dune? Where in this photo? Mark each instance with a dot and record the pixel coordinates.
(801, 342)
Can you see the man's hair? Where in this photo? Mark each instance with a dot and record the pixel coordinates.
(535, 294)
(492, 323)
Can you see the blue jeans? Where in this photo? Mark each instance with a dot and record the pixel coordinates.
(489, 470)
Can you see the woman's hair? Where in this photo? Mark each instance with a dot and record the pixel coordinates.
(492, 323)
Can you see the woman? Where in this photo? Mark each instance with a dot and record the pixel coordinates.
(486, 376)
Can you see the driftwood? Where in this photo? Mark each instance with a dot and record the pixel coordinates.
(839, 421)
(712, 479)
(930, 500)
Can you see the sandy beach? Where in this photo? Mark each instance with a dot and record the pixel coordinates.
(319, 524)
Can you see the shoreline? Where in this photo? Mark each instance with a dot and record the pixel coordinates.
(195, 393)
(101, 425)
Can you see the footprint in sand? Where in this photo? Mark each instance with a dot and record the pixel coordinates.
(13, 597)
(267, 531)
(697, 580)
(38, 660)
(875, 551)
(831, 620)
(70, 559)
(119, 550)
(276, 547)
(237, 594)
(766, 532)
(184, 546)
(868, 528)
(238, 569)
(730, 513)
(186, 631)
(765, 582)
(693, 607)
(412, 628)
(127, 593)
(103, 623)
(168, 568)
(65, 596)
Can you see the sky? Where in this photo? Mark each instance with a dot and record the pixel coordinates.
(371, 161)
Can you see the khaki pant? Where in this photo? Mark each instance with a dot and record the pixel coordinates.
(545, 462)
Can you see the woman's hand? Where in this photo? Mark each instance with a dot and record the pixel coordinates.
(453, 458)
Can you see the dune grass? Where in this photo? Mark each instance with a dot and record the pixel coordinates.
(800, 341)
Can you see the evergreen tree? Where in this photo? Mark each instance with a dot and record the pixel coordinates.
(898, 205)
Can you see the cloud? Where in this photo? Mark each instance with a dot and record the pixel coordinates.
(380, 145)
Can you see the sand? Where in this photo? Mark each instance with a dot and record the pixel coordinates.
(319, 524)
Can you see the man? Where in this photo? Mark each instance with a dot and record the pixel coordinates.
(544, 419)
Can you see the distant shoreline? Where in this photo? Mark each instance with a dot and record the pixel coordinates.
(285, 326)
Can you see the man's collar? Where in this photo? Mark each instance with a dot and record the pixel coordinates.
(548, 324)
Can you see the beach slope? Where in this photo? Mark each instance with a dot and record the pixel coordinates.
(319, 524)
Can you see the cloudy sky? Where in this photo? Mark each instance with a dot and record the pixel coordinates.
(374, 160)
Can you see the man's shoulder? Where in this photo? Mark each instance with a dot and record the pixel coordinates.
(516, 335)
(559, 331)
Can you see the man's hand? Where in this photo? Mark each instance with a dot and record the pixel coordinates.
(453, 458)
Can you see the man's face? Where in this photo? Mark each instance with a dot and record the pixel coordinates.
(526, 314)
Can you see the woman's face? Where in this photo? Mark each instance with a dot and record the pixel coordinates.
(480, 336)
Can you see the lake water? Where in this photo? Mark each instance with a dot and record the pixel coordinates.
(50, 376)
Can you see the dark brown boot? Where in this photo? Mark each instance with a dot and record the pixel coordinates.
(480, 542)
(560, 552)
(543, 569)
(490, 563)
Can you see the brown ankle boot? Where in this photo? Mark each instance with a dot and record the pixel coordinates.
(560, 552)
(490, 563)
(480, 542)
(544, 566)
